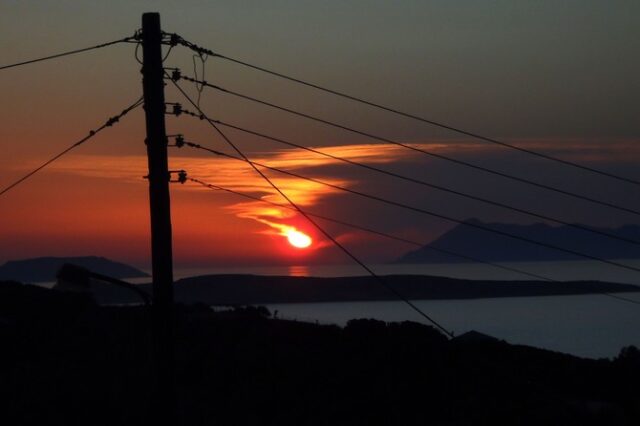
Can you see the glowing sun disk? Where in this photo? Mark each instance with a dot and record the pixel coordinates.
(298, 239)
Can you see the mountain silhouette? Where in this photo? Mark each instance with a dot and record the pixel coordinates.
(42, 269)
(488, 246)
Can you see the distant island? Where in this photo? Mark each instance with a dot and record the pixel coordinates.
(256, 289)
(265, 289)
(44, 269)
(479, 244)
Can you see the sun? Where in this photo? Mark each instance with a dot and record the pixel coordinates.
(298, 239)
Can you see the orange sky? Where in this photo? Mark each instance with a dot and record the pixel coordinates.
(558, 79)
(98, 204)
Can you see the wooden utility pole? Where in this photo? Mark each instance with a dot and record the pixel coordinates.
(161, 250)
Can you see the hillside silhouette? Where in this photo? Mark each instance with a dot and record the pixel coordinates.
(66, 360)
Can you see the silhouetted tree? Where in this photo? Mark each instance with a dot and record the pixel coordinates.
(629, 355)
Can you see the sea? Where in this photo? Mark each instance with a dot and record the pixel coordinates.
(590, 326)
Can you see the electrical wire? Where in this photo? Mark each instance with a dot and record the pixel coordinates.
(110, 122)
(199, 87)
(137, 56)
(378, 278)
(71, 52)
(458, 130)
(414, 148)
(202, 116)
(297, 208)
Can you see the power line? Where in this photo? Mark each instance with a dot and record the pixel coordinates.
(202, 116)
(378, 278)
(414, 148)
(373, 231)
(427, 184)
(70, 52)
(110, 122)
(624, 299)
(407, 115)
(208, 52)
(420, 210)
(404, 240)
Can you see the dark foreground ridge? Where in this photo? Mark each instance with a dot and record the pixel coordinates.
(265, 289)
(66, 360)
(42, 269)
(490, 247)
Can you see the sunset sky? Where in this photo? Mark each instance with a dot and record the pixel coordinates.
(556, 77)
